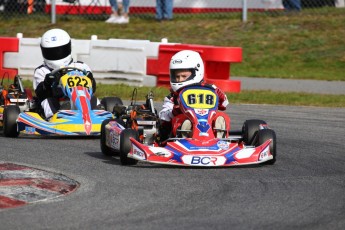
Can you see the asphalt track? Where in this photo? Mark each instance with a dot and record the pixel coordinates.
(305, 189)
(292, 85)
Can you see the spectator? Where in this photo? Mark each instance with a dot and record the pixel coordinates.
(292, 5)
(120, 9)
(164, 10)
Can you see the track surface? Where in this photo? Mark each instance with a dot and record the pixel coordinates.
(305, 189)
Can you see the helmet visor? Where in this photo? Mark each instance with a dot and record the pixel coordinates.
(56, 53)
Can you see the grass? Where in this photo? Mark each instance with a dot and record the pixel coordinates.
(125, 92)
(305, 45)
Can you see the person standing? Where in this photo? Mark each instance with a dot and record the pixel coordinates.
(164, 10)
(120, 11)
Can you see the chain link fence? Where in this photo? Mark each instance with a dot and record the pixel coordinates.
(100, 9)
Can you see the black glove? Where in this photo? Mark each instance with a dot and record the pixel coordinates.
(48, 81)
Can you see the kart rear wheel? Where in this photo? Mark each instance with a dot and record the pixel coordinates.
(110, 102)
(250, 129)
(11, 113)
(263, 136)
(125, 146)
(105, 149)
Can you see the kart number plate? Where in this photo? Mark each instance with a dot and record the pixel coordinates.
(75, 80)
(199, 98)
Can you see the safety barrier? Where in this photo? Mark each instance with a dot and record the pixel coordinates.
(112, 61)
(7, 45)
(132, 62)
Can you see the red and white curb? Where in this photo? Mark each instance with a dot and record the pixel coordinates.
(21, 185)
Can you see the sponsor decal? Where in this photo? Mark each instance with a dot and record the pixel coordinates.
(30, 130)
(201, 112)
(178, 61)
(264, 154)
(204, 160)
(17, 100)
(203, 127)
(223, 145)
(114, 140)
(138, 153)
(146, 122)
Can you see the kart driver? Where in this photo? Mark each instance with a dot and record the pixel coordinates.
(56, 51)
(186, 68)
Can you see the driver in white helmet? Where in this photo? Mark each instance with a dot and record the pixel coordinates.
(56, 51)
(186, 68)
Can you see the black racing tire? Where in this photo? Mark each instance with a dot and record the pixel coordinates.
(11, 113)
(106, 150)
(125, 146)
(250, 129)
(263, 136)
(110, 102)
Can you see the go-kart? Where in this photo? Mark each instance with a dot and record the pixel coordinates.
(79, 113)
(136, 120)
(14, 93)
(198, 146)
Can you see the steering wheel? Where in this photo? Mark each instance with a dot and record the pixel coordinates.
(58, 73)
(196, 84)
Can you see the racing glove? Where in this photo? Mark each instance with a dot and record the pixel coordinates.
(176, 110)
(48, 81)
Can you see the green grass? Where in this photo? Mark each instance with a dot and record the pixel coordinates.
(125, 92)
(306, 45)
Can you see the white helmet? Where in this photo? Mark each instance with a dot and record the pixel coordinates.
(190, 60)
(56, 48)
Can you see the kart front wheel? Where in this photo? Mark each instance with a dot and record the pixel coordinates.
(11, 113)
(250, 129)
(105, 149)
(125, 146)
(263, 136)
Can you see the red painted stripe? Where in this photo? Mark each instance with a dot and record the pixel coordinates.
(6, 202)
(47, 184)
(9, 166)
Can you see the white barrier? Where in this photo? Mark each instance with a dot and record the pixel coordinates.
(111, 61)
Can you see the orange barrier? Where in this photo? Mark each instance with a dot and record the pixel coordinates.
(8, 45)
(217, 62)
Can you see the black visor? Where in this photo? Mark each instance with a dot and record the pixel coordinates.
(56, 53)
